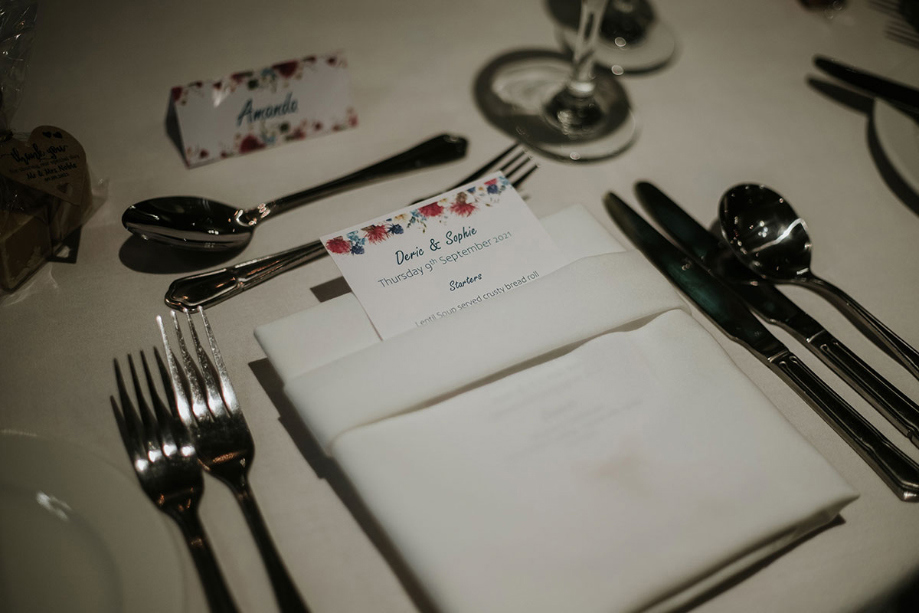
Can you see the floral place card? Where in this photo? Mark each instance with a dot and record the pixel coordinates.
(255, 109)
(443, 255)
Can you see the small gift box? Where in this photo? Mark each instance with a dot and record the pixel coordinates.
(45, 191)
(45, 194)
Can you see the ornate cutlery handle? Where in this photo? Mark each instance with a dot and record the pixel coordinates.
(215, 588)
(887, 399)
(209, 288)
(288, 598)
(870, 325)
(895, 468)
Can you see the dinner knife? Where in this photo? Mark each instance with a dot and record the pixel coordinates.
(766, 300)
(729, 313)
(898, 94)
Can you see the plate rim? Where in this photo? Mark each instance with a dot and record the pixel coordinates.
(128, 525)
(892, 128)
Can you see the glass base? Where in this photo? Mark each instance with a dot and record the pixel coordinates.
(524, 94)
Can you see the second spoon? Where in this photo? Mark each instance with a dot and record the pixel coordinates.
(767, 235)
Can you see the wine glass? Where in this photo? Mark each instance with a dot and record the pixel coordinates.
(633, 38)
(557, 105)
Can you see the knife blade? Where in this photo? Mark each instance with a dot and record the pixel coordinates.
(771, 304)
(898, 94)
(728, 312)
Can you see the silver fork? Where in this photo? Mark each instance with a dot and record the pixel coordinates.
(213, 418)
(167, 467)
(903, 26)
(210, 288)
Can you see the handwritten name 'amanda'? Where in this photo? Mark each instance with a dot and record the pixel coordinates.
(252, 114)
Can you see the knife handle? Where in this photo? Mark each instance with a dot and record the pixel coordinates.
(899, 410)
(894, 467)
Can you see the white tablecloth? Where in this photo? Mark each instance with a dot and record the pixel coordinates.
(735, 106)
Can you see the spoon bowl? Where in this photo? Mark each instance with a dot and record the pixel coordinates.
(189, 222)
(766, 234)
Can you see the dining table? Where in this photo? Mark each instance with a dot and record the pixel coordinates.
(740, 101)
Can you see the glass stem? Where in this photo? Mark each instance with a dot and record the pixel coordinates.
(582, 76)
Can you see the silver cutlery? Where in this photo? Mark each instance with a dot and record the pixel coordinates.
(212, 416)
(903, 26)
(191, 222)
(727, 311)
(166, 465)
(902, 32)
(898, 94)
(767, 235)
(766, 300)
(209, 288)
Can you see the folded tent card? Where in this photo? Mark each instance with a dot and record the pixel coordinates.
(437, 257)
(578, 443)
(255, 109)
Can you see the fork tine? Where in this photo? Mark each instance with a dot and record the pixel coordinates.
(163, 409)
(122, 428)
(192, 376)
(127, 419)
(179, 398)
(509, 173)
(229, 394)
(162, 417)
(902, 33)
(508, 167)
(481, 171)
(214, 400)
(151, 432)
(518, 182)
(904, 39)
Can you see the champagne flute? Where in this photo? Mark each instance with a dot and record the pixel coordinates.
(559, 106)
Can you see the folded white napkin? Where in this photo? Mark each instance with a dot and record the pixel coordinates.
(578, 444)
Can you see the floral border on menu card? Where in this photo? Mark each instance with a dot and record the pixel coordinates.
(257, 109)
(462, 203)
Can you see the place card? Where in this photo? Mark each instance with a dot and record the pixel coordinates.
(440, 256)
(256, 109)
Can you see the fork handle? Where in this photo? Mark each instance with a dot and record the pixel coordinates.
(215, 588)
(285, 591)
(434, 151)
(209, 288)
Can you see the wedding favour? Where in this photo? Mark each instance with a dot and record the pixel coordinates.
(443, 255)
(45, 194)
(45, 188)
(256, 109)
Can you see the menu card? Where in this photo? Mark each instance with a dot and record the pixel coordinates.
(440, 256)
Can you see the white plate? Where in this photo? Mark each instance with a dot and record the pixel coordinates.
(898, 133)
(78, 535)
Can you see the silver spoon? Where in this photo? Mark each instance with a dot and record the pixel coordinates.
(191, 222)
(767, 235)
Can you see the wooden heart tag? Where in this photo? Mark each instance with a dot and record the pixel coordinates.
(51, 161)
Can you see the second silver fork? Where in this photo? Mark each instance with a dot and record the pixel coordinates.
(211, 413)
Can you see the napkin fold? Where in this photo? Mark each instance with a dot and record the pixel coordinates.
(577, 444)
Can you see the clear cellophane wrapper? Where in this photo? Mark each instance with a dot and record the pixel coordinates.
(33, 223)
